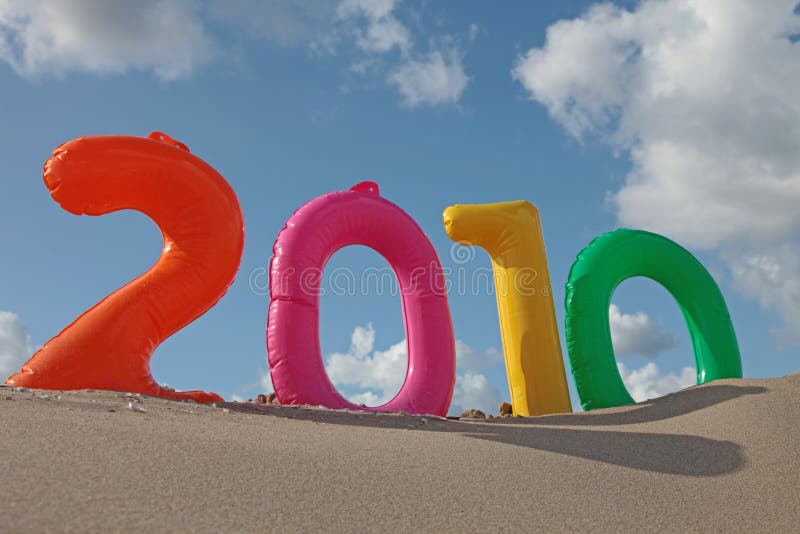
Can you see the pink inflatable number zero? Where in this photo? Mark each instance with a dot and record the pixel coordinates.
(314, 233)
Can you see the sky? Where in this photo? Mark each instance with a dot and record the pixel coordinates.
(678, 117)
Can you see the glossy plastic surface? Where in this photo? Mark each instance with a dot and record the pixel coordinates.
(110, 345)
(316, 231)
(511, 233)
(599, 269)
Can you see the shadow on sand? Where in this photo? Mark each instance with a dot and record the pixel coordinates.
(648, 451)
(673, 405)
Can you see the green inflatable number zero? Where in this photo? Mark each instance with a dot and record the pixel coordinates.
(596, 273)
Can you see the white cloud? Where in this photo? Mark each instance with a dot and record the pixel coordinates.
(285, 22)
(172, 38)
(703, 97)
(432, 79)
(382, 31)
(15, 344)
(371, 9)
(636, 334)
(38, 37)
(437, 79)
(381, 372)
(649, 382)
(362, 340)
(473, 390)
(373, 377)
(470, 359)
(266, 382)
(368, 398)
(474, 30)
(773, 279)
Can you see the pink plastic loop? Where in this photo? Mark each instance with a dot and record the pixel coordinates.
(314, 233)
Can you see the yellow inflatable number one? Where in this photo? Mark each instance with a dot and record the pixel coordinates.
(511, 233)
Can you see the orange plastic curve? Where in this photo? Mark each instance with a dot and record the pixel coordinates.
(110, 345)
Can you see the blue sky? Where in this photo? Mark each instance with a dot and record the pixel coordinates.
(665, 116)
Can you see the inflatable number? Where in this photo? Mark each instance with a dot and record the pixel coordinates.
(317, 230)
(511, 233)
(109, 346)
(599, 269)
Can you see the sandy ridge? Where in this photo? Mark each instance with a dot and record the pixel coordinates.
(721, 456)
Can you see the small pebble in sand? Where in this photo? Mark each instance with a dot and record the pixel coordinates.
(135, 407)
(264, 398)
(473, 414)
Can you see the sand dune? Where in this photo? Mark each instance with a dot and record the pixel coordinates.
(722, 456)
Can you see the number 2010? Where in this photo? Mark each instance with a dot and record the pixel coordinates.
(109, 346)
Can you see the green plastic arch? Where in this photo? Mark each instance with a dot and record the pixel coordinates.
(596, 273)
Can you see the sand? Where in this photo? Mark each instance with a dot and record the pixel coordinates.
(724, 456)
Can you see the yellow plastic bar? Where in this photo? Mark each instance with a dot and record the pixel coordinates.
(511, 232)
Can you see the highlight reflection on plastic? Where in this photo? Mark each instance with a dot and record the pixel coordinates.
(110, 345)
(311, 236)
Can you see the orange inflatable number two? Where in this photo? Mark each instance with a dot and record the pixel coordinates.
(109, 346)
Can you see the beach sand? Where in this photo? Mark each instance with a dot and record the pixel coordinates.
(723, 456)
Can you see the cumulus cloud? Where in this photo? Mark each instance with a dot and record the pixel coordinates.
(15, 344)
(372, 377)
(469, 358)
(772, 278)
(637, 334)
(381, 31)
(649, 382)
(380, 372)
(172, 38)
(285, 23)
(473, 390)
(702, 96)
(434, 80)
(38, 37)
